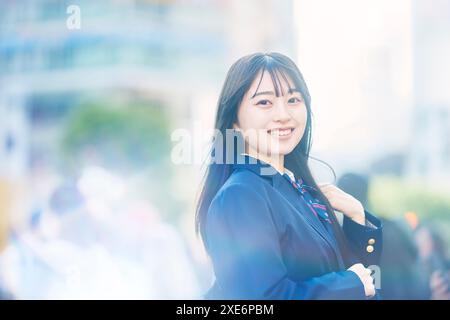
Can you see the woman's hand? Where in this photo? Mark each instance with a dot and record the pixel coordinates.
(364, 275)
(344, 203)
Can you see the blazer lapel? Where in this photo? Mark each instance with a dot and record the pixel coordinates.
(280, 183)
(294, 198)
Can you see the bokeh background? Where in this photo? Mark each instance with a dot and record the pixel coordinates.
(92, 204)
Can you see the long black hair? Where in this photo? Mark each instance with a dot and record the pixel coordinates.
(238, 81)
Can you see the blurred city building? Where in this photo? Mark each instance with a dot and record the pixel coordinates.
(174, 53)
(382, 69)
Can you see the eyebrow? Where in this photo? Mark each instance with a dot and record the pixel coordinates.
(291, 90)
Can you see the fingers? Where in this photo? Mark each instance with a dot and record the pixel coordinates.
(325, 184)
(329, 192)
(356, 267)
(364, 275)
(371, 291)
(326, 187)
(332, 192)
(369, 286)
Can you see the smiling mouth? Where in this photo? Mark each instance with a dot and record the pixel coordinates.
(280, 132)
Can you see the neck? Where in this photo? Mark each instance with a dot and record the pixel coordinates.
(276, 161)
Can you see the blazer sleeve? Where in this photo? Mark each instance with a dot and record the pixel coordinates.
(243, 244)
(365, 241)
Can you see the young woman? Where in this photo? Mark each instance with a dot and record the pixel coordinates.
(270, 230)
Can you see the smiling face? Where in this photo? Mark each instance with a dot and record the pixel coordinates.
(272, 119)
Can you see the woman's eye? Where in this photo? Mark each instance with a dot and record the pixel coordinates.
(264, 102)
(294, 100)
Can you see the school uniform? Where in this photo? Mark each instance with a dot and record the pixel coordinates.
(269, 238)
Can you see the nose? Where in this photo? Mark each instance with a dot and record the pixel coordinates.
(281, 112)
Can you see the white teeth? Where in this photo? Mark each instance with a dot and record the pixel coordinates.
(278, 132)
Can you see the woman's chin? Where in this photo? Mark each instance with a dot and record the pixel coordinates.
(285, 151)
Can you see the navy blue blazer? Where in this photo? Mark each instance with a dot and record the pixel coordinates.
(265, 243)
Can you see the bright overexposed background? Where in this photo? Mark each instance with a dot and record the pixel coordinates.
(91, 204)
